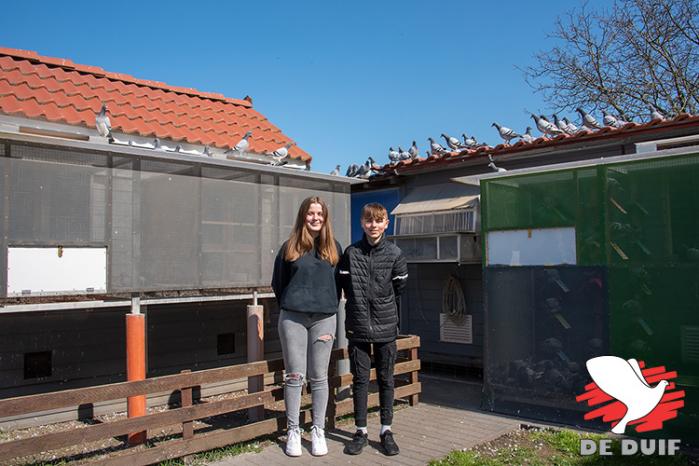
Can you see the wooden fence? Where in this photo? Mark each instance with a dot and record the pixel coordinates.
(189, 442)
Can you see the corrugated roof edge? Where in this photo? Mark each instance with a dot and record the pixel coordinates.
(99, 72)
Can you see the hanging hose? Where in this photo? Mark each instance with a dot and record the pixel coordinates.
(453, 301)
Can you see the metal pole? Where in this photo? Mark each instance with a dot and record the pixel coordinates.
(256, 352)
(136, 364)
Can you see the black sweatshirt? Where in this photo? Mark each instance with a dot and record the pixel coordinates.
(308, 284)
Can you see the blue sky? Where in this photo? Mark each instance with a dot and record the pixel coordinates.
(344, 79)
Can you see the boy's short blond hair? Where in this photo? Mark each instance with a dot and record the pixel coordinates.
(374, 211)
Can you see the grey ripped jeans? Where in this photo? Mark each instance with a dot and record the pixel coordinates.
(307, 341)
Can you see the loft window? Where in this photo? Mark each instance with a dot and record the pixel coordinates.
(436, 222)
(37, 365)
(225, 343)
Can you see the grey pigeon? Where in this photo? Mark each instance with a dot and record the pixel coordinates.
(546, 126)
(207, 151)
(527, 136)
(434, 147)
(506, 133)
(404, 155)
(157, 145)
(494, 167)
(393, 155)
(452, 143)
(282, 152)
(588, 120)
(335, 172)
(655, 114)
(413, 151)
(178, 148)
(365, 170)
(469, 141)
(352, 170)
(104, 126)
(242, 145)
(609, 120)
(572, 129)
(560, 124)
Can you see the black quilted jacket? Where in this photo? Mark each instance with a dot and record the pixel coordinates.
(372, 279)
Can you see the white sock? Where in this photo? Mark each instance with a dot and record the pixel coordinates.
(384, 429)
(363, 429)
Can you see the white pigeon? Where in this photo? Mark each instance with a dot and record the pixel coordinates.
(609, 120)
(335, 172)
(104, 126)
(404, 155)
(282, 152)
(572, 129)
(624, 381)
(242, 145)
(655, 114)
(413, 151)
(588, 120)
(494, 167)
(560, 124)
(452, 143)
(469, 141)
(393, 155)
(546, 126)
(506, 133)
(434, 147)
(527, 136)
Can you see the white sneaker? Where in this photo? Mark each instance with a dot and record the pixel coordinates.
(318, 445)
(293, 442)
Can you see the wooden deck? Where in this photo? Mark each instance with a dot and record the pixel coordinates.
(446, 419)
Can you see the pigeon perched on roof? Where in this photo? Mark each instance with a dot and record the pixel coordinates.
(494, 167)
(352, 170)
(527, 136)
(365, 170)
(588, 120)
(434, 147)
(506, 133)
(404, 155)
(655, 114)
(104, 126)
(469, 141)
(335, 172)
(452, 143)
(560, 124)
(546, 126)
(413, 151)
(282, 152)
(207, 151)
(572, 129)
(178, 148)
(393, 155)
(242, 145)
(609, 120)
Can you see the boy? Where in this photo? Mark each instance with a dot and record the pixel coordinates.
(373, 273)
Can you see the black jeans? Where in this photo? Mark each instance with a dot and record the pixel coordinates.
(360, 366)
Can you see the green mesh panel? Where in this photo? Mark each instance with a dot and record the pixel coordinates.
(640, 221)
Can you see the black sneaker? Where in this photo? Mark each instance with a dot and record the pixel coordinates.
(359, 441)
(390, 447)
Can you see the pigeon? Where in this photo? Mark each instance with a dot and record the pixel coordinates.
(572, 129)
(413, 151)
(178, 148)
(393, 155)
(506, 133)
(469, 141)
(207, 151)
(335, 172)
(404, 155)
(434, 147)
(588, 120)
(609, 120)
(527, 136)
(242, 145)
(452, 143)
(623, 380)
(545, 126)
(104, 126)
(494, 167)
(365, 170)
(655, 114)
(282, 152)
(560, 124)
(352, 170)
(157, 145)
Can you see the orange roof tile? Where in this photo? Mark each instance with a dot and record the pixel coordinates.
(61, 91)
(606, 133)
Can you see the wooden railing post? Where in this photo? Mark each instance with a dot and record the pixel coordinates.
(186, 401)
(413, 377)
(136, 364)
(256, 352)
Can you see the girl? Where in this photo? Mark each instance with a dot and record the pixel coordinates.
(305, 284)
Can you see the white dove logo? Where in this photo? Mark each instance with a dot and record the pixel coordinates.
(624, 381)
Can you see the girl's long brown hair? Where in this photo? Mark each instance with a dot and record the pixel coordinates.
(301, 240)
